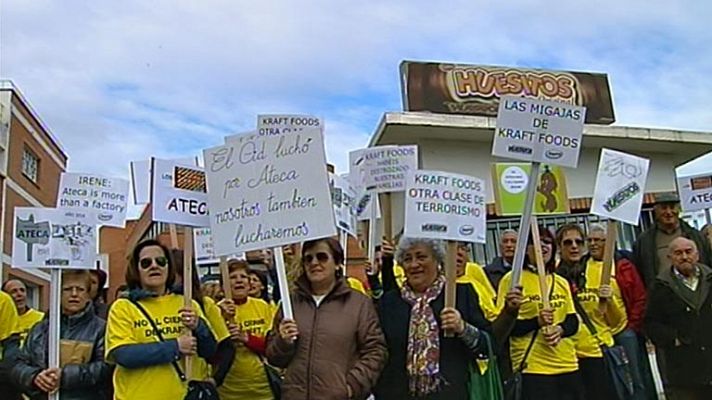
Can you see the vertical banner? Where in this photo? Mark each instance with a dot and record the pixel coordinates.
(442, 205)
(620, 185)
(267, 191)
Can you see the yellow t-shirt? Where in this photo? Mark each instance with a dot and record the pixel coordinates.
(543, 359)
(356, 285)
(586, 345)
(126, 325)
(203, 371)
(8, 318)
(486, 302)
(246, 379)
(476, 272)
(27, 320)
(399, 273)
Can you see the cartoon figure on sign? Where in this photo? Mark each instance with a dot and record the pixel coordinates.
(547, 186)
(76, 236)
(32, 233)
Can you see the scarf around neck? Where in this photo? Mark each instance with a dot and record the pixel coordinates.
(423, 351)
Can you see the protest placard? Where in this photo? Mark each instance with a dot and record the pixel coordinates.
(203, 247)
(278, 124)
(443, 205)
(510, 180)
(342, 198)
(53, 238)
(539, 130)
(620, 185)
(694, 183)
(140, 173)
(268, 190)
(382, 169)
(104, 198)
(178, 194)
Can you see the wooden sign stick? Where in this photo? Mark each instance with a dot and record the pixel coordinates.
(225, 275)
(187, 284)
(540, 267)
(451, 278)
(609, 251)
(174, 235)
(385, 200)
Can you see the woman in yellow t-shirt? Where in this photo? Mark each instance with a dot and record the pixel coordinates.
(249, 320)
(148, 353)
(607, 316)
(551, 367)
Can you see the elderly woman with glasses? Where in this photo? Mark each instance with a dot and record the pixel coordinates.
(334, 347)
(423, 363)
(146, 332)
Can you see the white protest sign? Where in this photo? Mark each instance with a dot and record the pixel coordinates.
(382, 169)
(694, 183)
(620, 185)
(237, 136)
(203, 247)
(178, 194)
(105, 198)
(270, 190)
(342, 198)
(53, 238)
(442, 205)
(140, 172)
(278, 124)
(539, 130)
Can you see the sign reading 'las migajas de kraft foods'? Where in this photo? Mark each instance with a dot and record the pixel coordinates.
(539, 131)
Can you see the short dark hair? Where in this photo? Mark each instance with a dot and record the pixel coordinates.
(133, 279)
(544, 233)
(337, 253)
(566, 228)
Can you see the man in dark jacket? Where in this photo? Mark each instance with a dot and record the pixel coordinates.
(650, 250)
(83, 374)
(9, 345)
(503, 264)
(679, 320)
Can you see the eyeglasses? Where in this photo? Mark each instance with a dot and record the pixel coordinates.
(146, 262)
(570, 242)
(320, 256)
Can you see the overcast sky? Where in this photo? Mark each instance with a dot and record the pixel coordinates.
(125, 80)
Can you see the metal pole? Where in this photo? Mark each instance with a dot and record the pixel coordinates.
(55, 316)
(283, 283)
(524, 222)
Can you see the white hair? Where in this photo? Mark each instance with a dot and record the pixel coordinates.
(436, 246)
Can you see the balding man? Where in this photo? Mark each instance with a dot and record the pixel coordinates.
(503, 264)
(28, 316)
(679, 320)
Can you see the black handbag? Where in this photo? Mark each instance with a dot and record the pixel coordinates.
(513, 384)
(274, 376)
(615, 358)
(197, 390)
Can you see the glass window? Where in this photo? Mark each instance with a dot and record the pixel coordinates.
(30, 165)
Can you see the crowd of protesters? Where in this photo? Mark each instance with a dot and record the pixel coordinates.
(390, 337)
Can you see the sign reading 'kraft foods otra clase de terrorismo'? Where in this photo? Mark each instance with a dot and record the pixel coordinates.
(266, 191)
(539, 131)
(105, 198)
(620, 185)
(442, 205)
(382, 169)
(178, 194)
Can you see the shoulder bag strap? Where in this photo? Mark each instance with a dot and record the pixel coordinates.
(138, 305)
(536, 332)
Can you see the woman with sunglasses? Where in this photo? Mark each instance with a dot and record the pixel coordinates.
(334, 347)
(422, 362)
(541, 343)
(145, 334)
(602, 305)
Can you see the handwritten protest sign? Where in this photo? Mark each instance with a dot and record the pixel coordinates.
(178, 194)
(382, 169)
(620, 185)
(539, 130)
(447, 206)
(342, 198)
(268, 190)
(105, 198)
(510, 180)
(278, 124)
(694, 183)
(53, 238)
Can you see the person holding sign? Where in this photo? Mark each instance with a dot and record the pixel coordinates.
(145, 331)
(422, 362)
(83, 374)
(334, 348)
(541, 344)
(249, 320)
(600, 307)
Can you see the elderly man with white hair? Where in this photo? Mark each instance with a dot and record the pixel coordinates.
(679, 320)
